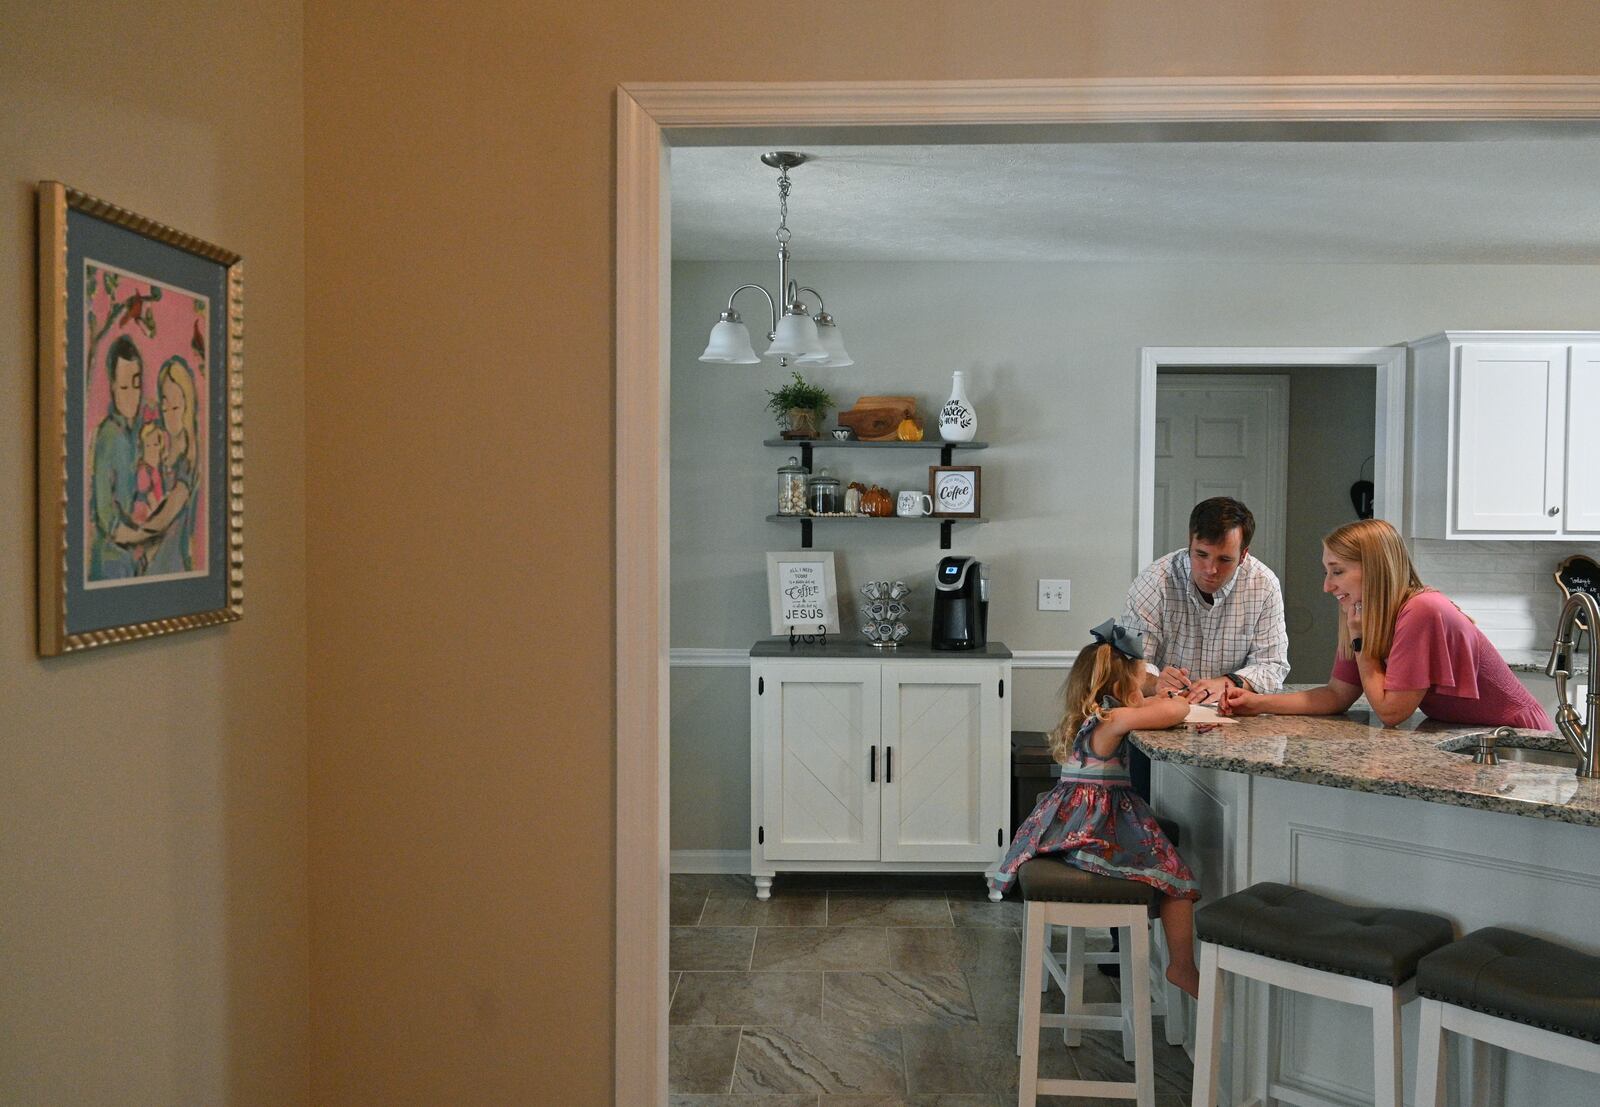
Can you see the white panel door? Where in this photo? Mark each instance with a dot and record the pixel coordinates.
(945, 786)
(1582, 510)
(1222, 435)
(1509, 438)
(820, 790)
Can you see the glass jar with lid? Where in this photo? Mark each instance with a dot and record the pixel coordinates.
(792, 488)
(822, 493)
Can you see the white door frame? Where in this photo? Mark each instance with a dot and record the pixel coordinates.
(1389, 422)
(645, 113)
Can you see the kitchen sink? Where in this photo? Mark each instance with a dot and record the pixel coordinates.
(1511, 749)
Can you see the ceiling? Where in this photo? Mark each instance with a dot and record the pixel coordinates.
(1504, 201)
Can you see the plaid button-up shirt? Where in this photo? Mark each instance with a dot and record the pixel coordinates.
(1241, 632)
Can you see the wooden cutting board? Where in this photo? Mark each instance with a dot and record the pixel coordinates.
(876, 418)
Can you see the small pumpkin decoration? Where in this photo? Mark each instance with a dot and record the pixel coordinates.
(909, 430)
(877, 501)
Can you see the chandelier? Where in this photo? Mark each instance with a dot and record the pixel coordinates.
(796, 336)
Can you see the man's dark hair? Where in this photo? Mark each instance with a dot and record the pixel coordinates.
(123, 349)
(1212, 519)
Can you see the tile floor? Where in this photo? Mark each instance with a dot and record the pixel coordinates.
(865, 991)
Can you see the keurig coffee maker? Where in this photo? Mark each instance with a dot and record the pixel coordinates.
(960, 605)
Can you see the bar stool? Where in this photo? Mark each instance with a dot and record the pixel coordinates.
(1509, 990)
(1057, 894)
(1290, 938)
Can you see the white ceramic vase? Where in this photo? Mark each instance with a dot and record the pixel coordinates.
(957, 421)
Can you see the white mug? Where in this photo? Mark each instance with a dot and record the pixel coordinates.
(914, 503)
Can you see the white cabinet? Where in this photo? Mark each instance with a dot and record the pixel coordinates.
(878, 764)
(1503, 435)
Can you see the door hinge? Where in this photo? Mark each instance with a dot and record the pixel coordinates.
(761, 686)
(1002, 687)
(761, 835)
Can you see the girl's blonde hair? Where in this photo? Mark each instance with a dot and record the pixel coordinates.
(1098, 671)
(1388, 580)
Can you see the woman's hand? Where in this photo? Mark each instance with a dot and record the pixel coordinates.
(1353, 617)
(1240, 701)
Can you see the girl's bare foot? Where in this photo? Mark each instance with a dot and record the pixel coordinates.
(1187, 978)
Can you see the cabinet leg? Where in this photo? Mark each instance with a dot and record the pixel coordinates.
(763, 887)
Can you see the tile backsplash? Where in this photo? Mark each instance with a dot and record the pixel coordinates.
(1509, 588)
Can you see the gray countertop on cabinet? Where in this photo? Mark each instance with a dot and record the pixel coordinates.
(1354, 751)
(848, 647)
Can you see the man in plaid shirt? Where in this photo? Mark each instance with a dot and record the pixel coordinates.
(1211, 614)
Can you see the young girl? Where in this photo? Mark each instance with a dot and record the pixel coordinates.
(1093, 819)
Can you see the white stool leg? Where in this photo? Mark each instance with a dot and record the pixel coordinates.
(1208, 1028)
(1126, 964)
(1077, 944)
(1032, 965)
(1022, 973)
(1387, 1077)
(1430, 1055)
(1263, 1042)
(1044, 974)
(1144, 1062)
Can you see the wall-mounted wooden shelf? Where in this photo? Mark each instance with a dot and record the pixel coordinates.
(805, 521)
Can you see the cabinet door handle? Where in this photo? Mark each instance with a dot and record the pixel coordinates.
(888, 764)
(1554, 511)
(872, 766)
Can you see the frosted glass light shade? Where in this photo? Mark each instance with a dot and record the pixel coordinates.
(833, 343)
(730, 345)
(796, 338)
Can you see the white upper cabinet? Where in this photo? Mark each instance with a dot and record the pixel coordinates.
(1500, 447)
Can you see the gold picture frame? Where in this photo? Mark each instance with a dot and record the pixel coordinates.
(141, 427)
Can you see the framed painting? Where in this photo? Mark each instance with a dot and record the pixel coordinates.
(141, 433)
(802, 592)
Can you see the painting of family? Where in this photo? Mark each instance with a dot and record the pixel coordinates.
(145, 392)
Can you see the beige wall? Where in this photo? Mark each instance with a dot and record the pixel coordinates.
(153, 909)
(460, 243)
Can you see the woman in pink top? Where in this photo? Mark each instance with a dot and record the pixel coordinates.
(1402, 645)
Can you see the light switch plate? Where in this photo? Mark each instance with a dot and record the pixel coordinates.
(1055, 595)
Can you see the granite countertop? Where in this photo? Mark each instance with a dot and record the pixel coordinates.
(850, 646)
(1352, 751)
(1534, 661)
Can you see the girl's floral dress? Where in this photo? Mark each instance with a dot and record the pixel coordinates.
(1094, 820)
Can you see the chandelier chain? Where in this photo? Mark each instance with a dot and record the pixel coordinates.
(783, 208)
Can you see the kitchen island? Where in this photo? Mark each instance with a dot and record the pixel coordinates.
(1342, 806)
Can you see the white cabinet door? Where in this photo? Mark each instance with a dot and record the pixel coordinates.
(941, 798)
(1582, 510)
(1510, 424)
(819, 733)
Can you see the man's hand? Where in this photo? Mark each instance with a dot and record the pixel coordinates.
(1173, 681)
(1209, 691)
(1238, 701)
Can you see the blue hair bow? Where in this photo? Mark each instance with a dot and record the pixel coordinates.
(1125, 640)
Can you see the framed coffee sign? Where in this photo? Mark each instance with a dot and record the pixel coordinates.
(802, 592)
(957, 490)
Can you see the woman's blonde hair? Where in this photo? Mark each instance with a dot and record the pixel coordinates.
(176, 370)
(1388, 580)
(1098, 671)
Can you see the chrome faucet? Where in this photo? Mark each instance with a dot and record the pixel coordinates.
(1580, 736)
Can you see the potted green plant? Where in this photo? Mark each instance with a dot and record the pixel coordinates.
(799, 407)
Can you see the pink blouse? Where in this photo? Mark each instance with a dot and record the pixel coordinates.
(1439, 650)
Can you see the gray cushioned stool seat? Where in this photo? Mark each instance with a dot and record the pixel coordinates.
(1518, 977)
(1045, 879)
(1303, 928)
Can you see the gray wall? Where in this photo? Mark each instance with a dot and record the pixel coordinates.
(1051, 356)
